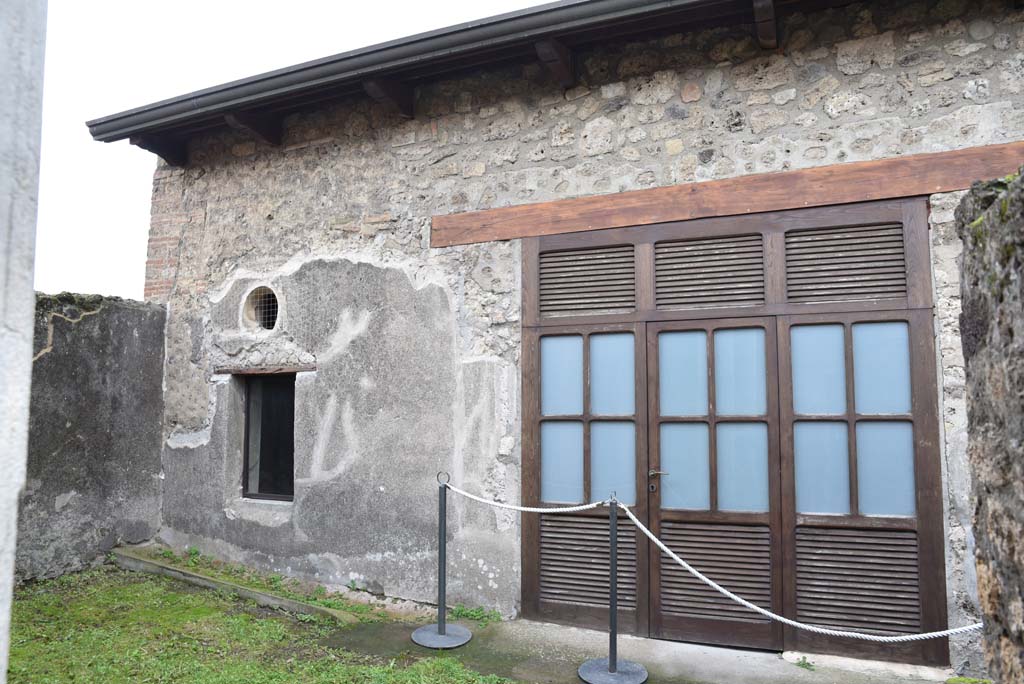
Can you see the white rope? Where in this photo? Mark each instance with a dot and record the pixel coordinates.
(719, 588)
(792, 623)
(525, 509)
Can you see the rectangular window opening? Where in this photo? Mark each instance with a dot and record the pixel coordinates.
(269, 463)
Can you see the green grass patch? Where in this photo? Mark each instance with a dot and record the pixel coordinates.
(967, 680)
(481, 616)
(805, 664)
(111, 626)
(272, 583)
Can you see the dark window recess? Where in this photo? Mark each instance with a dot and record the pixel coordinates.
(269, 466)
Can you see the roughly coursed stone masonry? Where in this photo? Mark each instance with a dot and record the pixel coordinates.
(354, 184)
(94, 473)
(990, 221)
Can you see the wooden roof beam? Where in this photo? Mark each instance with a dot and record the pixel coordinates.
(764, 24)
(269, 130)
(391, 93)
(171, 150)
(558, 60)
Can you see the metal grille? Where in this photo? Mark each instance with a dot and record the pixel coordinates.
(264, 307)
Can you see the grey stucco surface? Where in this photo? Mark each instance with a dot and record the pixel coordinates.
(353, 183)
(94, 473)
(22, 31)
(383, 412)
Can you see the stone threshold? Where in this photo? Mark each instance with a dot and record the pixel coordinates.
(130, 560)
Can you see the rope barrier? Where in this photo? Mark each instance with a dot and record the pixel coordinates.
(784, 620)
(719, 588)
(525, 509)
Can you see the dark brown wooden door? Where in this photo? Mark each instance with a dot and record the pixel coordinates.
(765, 350)
(713, 481)
(586, 439)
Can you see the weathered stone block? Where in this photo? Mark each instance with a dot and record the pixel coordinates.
(990, 221)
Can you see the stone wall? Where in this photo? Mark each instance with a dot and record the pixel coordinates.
(22, 30)
(961, 578)
(990, 221)
(353, 189)
(93, 477)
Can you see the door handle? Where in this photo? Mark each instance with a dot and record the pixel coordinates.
(655, 473)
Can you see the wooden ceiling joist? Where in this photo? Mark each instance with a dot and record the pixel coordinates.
(171, 150)
(558, 60)
(265, 128)
(391, 93)
(764, 24)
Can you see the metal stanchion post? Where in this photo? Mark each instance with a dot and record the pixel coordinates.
(610, 670)
(441, 634)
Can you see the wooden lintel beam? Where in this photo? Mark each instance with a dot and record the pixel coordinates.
(263, 370)
(171, 150)
(910, 176)
(558, 60)
(391, 93)
(764, 24)
(265, 128)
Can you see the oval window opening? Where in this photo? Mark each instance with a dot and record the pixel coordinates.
(261, 308)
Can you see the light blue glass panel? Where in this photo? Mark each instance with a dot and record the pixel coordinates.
(684, 458)
(613, 461)
(822, 460)
(819, 369)
(742, 466)
(612, 381)
(561, 462)
(683, 373)
(561, 375)
(739, 372)
(881, 367)
(885, 468)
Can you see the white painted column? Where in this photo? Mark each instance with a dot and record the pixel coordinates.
(22, 32)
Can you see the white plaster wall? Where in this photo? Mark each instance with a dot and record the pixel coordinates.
(22, 30)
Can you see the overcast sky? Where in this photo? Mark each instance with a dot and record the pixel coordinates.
(106, 56)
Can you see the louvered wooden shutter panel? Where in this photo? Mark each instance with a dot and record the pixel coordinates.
(710, 272)
(595, 280)
(863, 580)
(574, 561)
(735, 556)
(837, 264)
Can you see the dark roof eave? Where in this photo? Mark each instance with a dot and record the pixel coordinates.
(534, 23)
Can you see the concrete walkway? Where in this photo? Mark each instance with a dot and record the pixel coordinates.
(541, 652)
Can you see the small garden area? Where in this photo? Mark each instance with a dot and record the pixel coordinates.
(109, 626)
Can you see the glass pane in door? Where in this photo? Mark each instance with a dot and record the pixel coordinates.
(740, 372)
(613, 461)
(686, 483)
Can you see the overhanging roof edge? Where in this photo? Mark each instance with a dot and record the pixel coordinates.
(524, 25)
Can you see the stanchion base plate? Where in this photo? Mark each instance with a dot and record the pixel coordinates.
(627, 672)
(454, 636)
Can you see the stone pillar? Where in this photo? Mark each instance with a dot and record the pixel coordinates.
(22, 31)
(990, 221)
